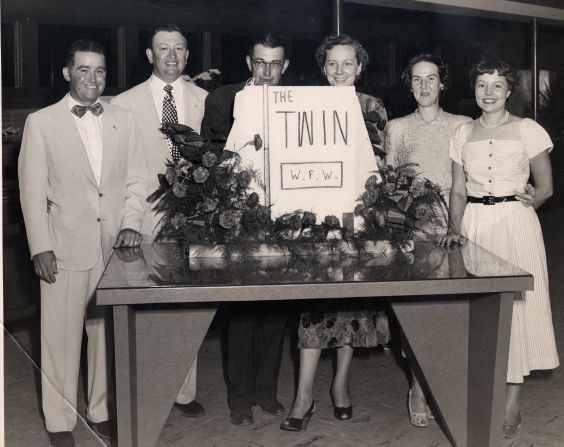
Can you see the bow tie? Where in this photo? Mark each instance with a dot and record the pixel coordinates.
(79, 111)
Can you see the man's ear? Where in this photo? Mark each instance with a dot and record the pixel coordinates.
(149, 53)
(66, 74)
(187, 53)
(249, 63)
(285, 66)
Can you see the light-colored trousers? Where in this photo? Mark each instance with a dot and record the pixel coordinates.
(67, 306)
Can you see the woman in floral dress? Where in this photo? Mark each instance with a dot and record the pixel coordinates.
(422, 138)
(342, 60)
(492, 158)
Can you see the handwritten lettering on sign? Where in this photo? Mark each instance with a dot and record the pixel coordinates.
(316, 154)
(311, 127)
(311, 175)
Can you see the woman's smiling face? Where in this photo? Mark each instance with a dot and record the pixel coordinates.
(341, 66)
(492, 91)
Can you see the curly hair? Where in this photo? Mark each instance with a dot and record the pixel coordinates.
(490, 66)
(342, 39)
(444, 71)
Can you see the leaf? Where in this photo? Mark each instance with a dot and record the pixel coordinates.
(187, 138)
(155, 196)
(163, 181)
(179, 128)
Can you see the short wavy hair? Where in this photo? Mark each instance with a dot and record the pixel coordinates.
(268, 40)
(342, 39)
(86, 45)
(167, 28)
(490, 66)
(444, 71)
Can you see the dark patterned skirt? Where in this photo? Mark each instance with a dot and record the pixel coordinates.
(357, 323)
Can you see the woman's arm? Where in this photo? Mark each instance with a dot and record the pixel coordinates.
(542, 175)
(456, 207)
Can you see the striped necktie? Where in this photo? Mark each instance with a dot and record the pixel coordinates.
(170, 116)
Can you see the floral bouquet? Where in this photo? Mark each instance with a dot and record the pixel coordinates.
(398, 205)
(206, 199)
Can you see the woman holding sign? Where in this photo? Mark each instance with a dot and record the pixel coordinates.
(492, 158)
(422, 138)
(342, 60)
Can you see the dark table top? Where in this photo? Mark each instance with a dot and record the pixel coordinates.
(163, 272)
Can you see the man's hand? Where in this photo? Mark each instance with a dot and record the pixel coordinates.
(45, 265)
(128, 238)
(130, 254)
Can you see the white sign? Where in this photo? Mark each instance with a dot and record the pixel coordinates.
(316, 155)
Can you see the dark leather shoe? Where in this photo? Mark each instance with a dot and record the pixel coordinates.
(242, 417)
(191, 410)
(61, 439)
(274, 408)
(105, 429)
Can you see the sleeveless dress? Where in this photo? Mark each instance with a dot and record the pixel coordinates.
(511, 231)
(359, 323)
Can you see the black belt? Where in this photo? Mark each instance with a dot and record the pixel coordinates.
(491, 200)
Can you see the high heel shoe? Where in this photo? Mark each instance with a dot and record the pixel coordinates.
(343, 413)
(417, 419)
(298, 424)
(510, 430)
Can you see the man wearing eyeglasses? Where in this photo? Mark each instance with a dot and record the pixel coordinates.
(267, 63)
(255, 330)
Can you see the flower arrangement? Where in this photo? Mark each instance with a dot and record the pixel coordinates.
(399, 205)
(206, 199)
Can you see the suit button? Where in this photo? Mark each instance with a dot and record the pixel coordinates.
(100, 195)
(98, 219)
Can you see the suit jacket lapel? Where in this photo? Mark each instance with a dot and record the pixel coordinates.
(191, 106)
(111, 130)
(149, 119)
(66, 129)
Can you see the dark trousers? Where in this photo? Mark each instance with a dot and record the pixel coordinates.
(254, 351)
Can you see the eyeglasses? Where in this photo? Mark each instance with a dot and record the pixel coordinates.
(262, 64)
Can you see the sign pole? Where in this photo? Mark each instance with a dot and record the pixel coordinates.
(266, 144)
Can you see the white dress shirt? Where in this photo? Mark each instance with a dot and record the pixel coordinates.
(91, 132)
(157, 89)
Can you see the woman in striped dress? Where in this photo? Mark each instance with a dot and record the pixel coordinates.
(493, 157)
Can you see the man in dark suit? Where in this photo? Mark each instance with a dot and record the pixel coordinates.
(82, 188)
(163, 96)
(255, 330)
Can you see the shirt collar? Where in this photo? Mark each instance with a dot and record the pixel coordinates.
(159, 84)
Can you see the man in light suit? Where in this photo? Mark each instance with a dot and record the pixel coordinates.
(82, 193)
(151, 102)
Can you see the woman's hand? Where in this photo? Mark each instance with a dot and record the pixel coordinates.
(451, 238)
(527, 197)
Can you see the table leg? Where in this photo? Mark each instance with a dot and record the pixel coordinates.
(460, 346)
(155, 347)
